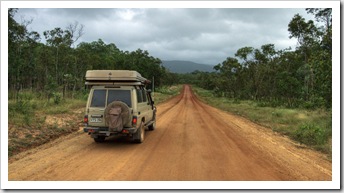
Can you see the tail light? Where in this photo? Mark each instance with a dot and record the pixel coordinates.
(86, 119)
(134, 121)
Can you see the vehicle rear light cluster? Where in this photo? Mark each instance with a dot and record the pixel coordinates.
(86, 119)
(134, 121)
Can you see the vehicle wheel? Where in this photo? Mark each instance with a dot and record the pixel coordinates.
(125, 115)
(151, 127)
(140, 134)
(99, 139)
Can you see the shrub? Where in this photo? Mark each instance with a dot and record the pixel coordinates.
(311, 134)
(23, 107)
(26, 95)
(315, 102)
(57, 97)
(276, 114)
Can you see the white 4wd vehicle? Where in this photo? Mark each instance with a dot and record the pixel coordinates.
(118, 104)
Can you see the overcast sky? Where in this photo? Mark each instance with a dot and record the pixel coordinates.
(202, 35)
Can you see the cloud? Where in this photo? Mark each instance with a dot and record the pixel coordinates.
(204, 35)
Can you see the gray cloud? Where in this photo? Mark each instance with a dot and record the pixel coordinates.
(201, 35)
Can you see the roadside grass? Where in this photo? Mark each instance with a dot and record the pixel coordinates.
(162, 94)
(312, 128)
(33, 121)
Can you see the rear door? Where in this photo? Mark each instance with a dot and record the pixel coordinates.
(123, 95)
(97, 107)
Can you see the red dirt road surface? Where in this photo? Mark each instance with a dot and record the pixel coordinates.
(192, 142)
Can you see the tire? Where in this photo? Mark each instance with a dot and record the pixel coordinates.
(99, 139)
(139, 136)
(152, 126)
(125, 113)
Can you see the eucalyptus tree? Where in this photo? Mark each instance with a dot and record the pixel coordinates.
(316, 47)
(21, 54)
(59, 40)
(229, 70)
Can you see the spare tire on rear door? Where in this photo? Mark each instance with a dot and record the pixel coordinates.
(117, 114)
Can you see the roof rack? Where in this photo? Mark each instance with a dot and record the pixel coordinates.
(114, 77)
(93, 83)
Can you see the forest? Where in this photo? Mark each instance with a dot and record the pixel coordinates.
(299, 78)
(295, 79)
(58, 67)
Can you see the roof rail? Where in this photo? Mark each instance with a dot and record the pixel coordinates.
(93, 83)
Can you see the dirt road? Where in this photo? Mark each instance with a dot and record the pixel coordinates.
(193, 141)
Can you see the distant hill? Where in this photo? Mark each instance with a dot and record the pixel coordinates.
(178, 66)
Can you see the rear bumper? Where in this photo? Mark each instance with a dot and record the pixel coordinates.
(105, 131)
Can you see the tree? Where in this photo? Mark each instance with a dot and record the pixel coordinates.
(244, 54)
(76, 31)
(59, 65)
(21, 53)
(228, 82)
(306, 34)
(322, 15)
(58, 39)
(316, 45)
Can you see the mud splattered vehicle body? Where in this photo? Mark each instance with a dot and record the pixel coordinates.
(118, 104)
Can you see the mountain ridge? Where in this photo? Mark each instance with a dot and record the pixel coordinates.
(182, 66)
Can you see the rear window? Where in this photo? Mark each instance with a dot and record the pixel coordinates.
(98, 98)
(119, 95)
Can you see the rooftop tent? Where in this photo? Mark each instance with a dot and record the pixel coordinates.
(111, 77)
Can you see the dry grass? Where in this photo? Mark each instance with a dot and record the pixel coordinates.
(32, 123)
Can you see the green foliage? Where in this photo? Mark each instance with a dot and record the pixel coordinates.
(59, 67)
(167, 90)
(300, 78)
(29, 126)
(278, 78)
(22, 109)
(311, 134)
(57, 97)
(164, 93)
(314, 102)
